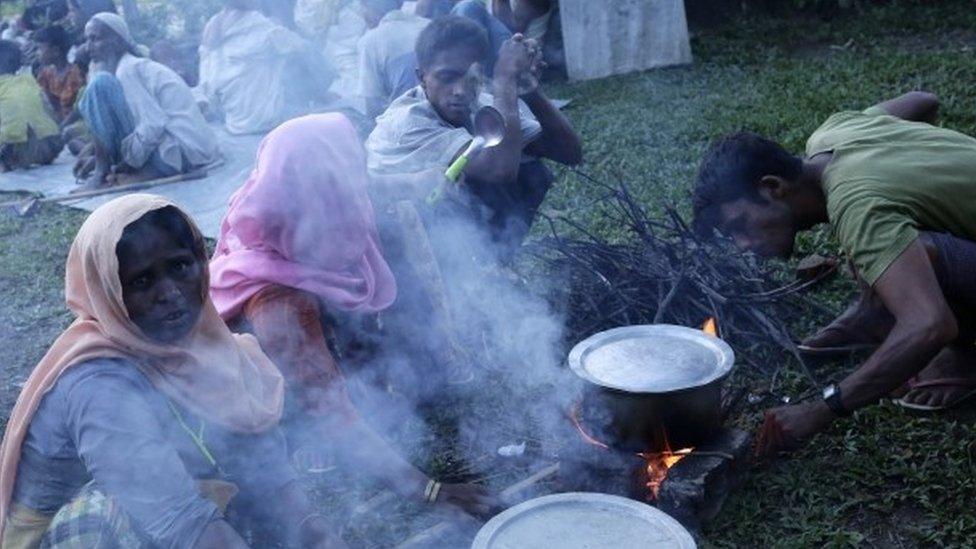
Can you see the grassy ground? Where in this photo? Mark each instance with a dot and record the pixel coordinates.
(882, 478)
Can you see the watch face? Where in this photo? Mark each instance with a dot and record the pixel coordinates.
(829, 391)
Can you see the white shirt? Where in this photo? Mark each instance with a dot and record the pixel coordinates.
(411, 137)
(166, 114)
(387, 56)
(243, 62)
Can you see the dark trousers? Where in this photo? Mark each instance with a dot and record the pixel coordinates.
(955, 269)
(508, 209)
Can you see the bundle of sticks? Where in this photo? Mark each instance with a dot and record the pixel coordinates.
(660, 271)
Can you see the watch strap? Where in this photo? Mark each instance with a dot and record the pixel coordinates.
(834, 403)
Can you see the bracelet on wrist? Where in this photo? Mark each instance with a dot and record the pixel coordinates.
(432, 490)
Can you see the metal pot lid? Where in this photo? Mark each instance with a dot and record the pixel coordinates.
(581, 520)
(655, 358)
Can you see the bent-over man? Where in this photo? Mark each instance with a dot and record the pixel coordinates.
(900, 196)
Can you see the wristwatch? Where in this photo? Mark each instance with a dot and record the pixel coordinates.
(831, 395)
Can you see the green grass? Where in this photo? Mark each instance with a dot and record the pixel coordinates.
(882, 478)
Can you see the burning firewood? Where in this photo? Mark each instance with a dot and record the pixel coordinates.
(665, 273)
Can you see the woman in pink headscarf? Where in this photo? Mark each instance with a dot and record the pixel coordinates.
(299, 241)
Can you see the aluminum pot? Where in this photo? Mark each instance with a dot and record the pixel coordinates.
(648, 386)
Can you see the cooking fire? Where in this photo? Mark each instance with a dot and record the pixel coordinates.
(658, 465)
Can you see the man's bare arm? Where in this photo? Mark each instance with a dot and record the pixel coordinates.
(501, 162)
(924, 324)
(917, 106)
(559, 140)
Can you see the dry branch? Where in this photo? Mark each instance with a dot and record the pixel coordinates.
(664, 272)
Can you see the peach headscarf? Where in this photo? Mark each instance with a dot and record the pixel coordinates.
(219, 376)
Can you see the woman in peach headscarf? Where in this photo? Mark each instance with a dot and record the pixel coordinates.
(144, 394)
(298, 242)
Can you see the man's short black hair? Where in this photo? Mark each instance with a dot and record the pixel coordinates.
(451, 31)
(10, 57)
(54, 35)
(732, 169)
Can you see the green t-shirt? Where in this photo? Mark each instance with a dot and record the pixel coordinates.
(890, 178)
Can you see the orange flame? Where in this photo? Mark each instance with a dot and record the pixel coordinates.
(658, 465)
(710, 326)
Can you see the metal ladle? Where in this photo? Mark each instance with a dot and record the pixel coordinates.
(489, 130)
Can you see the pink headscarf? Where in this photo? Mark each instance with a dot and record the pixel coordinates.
(304, 220)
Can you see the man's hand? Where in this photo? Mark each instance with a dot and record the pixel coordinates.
(515, 58)
(788, 427)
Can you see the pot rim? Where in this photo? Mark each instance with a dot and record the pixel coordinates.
(723, 367)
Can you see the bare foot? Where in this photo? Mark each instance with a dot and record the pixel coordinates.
(948, 380)
(96, 180)
(865, 323)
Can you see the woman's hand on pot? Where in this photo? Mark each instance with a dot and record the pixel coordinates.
(788, 427)
(471, 498)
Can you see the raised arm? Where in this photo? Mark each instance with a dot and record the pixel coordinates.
(559, 140)
(916, 106)
(501, 163)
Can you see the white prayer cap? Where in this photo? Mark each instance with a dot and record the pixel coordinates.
(119, 27)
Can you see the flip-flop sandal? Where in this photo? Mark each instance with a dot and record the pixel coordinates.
(944, 382)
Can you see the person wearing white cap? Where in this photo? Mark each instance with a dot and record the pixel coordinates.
(142, 115)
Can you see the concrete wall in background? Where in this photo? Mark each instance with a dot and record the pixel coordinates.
(606, 37)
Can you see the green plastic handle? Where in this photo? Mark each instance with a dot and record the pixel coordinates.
(453, 173)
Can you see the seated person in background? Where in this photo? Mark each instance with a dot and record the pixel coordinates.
(28, 134)
(79, 13)
(142, 116)
(430, 126)
(432, 9)
(272, 276)
(342, 47)
(900, 196)
(387, 54)
(60, 80)
(257, 73)
(502, 18)
(180, 55)
(147, 416)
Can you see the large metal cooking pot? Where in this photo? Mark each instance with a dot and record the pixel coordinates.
(645, 386)
(583, 520)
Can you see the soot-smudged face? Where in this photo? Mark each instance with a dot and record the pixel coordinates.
(765, 228)
(452, 83)
(162, 282)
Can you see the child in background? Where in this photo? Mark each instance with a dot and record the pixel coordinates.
(59, 79)
(28, 134)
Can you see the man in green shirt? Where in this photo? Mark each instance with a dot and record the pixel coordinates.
(900, 196)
